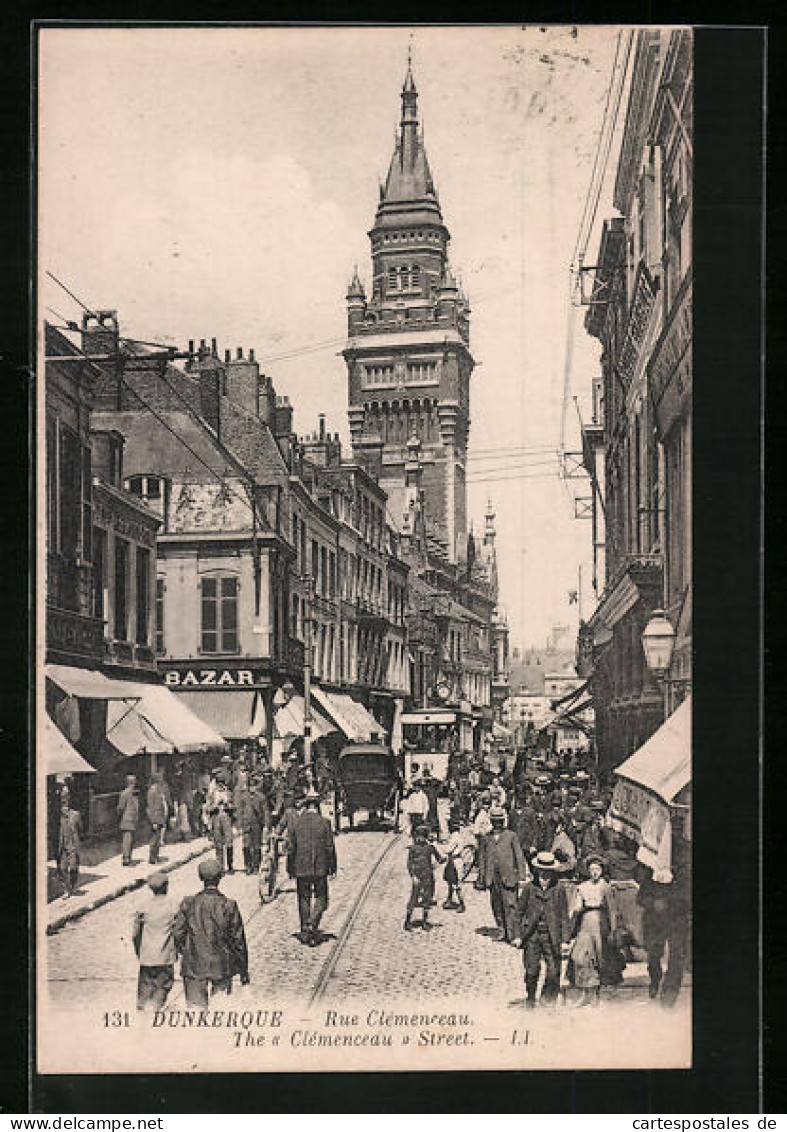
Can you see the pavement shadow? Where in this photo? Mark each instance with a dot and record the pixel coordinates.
(488, 933)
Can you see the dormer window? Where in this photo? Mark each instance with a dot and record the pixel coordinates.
(153, 490)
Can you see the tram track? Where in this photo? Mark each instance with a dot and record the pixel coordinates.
(329, 966)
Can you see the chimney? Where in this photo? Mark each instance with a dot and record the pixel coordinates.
(321, 419)
(282, 424)
(210, 375)
(266, 400)
(243, 382)
(100, 332)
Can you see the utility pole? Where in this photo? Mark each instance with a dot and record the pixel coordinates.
(307, 675)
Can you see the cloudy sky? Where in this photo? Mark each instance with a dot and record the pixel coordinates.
(220, 183)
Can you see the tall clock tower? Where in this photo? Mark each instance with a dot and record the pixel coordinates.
(408, 355)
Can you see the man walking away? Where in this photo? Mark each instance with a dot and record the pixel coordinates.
(311, 859)
(505, 870)
(158, 810)
(219, 806)
(68, 847)
(128, 817)
(210, 938)
(543, 917)
(154, 943)
(416, 805)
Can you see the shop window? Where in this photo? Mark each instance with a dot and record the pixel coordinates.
(220, 614)
(99, 571)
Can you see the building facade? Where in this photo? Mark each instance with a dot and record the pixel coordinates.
(637, 448)
(270, 546)
(408, 371)
(408, 355)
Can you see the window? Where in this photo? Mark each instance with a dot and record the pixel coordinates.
(160, 587)
(391, 278)
(70, 491)
(332, 574)
(143, 595)
(415, 277)
(120, 627)
(315, 562)
(87, 505)
(52, 491)
(99, 571)
(220, 614)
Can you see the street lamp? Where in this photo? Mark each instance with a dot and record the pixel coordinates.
(658, 643)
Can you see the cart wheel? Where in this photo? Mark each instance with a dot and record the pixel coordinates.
(467, 860)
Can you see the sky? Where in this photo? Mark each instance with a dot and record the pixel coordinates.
(220, 182)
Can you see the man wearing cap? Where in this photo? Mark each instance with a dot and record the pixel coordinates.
(219, 807)
(210, 939)
(154, 943)
(157, 810)
(128, 816)
(311, 859)
(416, 806)
(504, 871)
(544, 928)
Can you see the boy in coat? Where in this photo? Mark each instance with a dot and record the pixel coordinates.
(210, 938)
(544, 928)
(311, 859)
(421, 857)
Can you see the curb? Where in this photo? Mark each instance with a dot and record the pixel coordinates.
(127, 886)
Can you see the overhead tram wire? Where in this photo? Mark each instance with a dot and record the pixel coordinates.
(598, 176)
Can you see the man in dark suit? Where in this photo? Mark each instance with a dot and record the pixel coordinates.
(504, 869)
(523, 821)
(311, 860)
(543, 917)
(158, 809)
(209, 936)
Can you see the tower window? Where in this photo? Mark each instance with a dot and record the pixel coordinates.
(392, 279)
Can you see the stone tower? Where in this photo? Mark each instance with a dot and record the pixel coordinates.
(408, 355)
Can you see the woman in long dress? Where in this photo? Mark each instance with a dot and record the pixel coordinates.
(592, 925)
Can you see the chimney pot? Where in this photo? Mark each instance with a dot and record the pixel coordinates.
(202, 343)
(213, 347)
(239, 352)
(227, 355)
(251, 355)
(322, 426)
(191, 345)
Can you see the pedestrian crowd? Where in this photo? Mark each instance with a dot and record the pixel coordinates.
(563, 886)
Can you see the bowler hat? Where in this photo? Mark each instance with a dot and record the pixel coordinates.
(210, 869)
(158, 881)
(545, 863)
(497, 813)
(422, 830)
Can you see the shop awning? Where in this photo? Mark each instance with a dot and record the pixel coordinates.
(647, 784)
(429, 717)
(662, 765)
(164, 724)
(501, 732)
(87, 684)
(288, 721)
(130, 732)
(233, 714)
(59, 756)
(352, 718)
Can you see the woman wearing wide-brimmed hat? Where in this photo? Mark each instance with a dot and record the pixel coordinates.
(593, 923)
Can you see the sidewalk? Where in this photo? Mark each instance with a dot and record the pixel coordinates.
(110, 879)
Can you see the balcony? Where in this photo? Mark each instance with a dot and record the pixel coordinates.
(644, 297)
(68, 584)
(670, 364)
(71, 635)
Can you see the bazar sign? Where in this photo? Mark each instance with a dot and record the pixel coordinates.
(211, 678)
